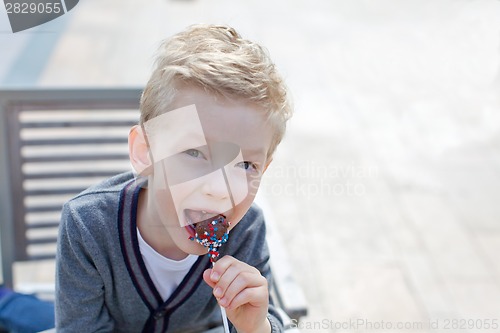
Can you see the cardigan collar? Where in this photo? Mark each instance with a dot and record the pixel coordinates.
(127, 226)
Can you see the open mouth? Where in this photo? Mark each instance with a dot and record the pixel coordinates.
(197, 216)
(191, 231)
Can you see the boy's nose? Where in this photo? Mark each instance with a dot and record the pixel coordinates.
(215, 185)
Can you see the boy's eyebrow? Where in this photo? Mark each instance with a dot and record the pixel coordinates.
(256, 151)
(252, 150)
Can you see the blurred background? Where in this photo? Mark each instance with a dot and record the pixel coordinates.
(386, 188)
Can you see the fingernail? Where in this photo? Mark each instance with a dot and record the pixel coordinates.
(218, 292)
(214, 276)
(223, 301)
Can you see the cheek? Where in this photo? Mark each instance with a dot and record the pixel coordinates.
(253, 184)
(180, 192)
(162, 200)
(163, 203)
(240, 210)
(248, 189)
(168, 195)
(242, 184)
(158, 185)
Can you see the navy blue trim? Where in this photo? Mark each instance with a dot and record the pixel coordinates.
(136, 248)
(171, 308)
(124, 249)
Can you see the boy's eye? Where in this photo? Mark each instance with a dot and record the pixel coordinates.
(194, 153)
(249, 166)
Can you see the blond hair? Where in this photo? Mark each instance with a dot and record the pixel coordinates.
(218, 59)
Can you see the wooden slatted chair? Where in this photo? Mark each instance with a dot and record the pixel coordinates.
(56, 143)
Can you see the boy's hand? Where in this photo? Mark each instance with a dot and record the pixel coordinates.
(243, 291)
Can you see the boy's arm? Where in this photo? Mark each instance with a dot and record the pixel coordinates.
(79, 287)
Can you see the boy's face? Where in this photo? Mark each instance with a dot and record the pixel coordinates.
(208, 154)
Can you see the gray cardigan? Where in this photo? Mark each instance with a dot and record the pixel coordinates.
(102, 284)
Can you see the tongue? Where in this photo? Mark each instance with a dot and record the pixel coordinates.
(196, 216)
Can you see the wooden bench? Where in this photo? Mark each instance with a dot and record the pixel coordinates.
(56, 143)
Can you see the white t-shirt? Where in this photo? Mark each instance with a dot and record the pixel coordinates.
(166, 273)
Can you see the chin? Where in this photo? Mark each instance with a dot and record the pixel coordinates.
(193, 248)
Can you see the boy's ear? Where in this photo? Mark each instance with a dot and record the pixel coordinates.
(139, 151)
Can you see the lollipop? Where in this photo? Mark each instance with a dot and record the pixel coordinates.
(212, 233)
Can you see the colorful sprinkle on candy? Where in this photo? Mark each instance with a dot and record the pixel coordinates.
(212, 233)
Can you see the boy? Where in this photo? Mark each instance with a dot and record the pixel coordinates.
(212, 114)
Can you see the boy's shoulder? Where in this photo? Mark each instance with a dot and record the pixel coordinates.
(102, 198)
(114, 184)
(253, 214)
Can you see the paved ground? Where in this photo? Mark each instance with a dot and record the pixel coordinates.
(387, 185)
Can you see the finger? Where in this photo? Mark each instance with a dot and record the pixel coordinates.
(257, 297)
(220, 266)
(244, 280)
(226, 280)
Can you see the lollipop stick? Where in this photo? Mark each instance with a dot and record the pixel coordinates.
(223, 313)
(224, 319)
(212, 233)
